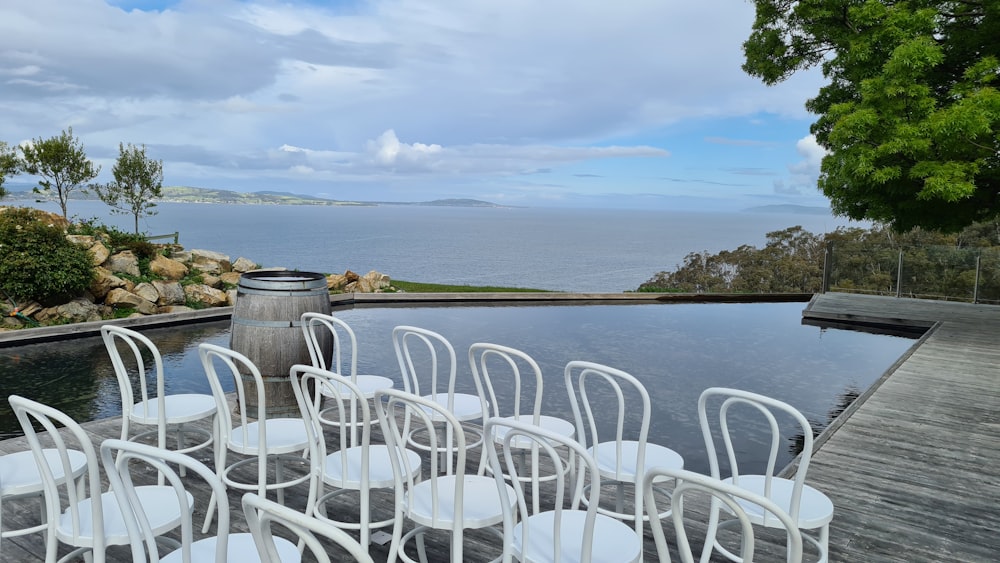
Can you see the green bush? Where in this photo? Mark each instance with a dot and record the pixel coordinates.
(37, 262)
(116, 240)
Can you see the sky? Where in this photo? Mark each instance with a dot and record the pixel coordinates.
(554, 103)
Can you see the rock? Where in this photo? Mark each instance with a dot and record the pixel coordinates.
(212, 281)
(377, 281)
(167, 267)
(231, 297)
(351, 276)
(85, 241)
(231, 278)
(104, 281)
(208, 296)
(197, 253)
(180, 255)
(99, 252)
(174, 309)
(76, 311)
(336, 282)
(171, 293)
(243, 265)
(147, 291)
(120, 298)
(209, 262)
(124, 262)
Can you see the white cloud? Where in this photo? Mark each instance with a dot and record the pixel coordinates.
(804, 174)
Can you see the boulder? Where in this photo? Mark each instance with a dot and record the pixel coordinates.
(212, 281)
(207, 296)
(120, 298)
(231, 278)
(99, 252)
(104, 281)
(377, 281)
(124, 262)
(170, 292)
(85, 241)
(147, 291)
(210, 262)
(244, 265)
(76, 311)
(336, 282)
(174, 309)
(167, 267)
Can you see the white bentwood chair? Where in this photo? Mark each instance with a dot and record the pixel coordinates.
(501, 372)
(160, 411)
(449, 499)
(123, 459)
(355, 464)
(808, 507)
(20, 479)
(88, 523)
(607, 403)
(319, 329)
(421, 353)
(559, 533)
(734, 499)
(263, 514)
(265, 441)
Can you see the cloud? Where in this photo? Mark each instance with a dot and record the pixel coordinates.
(804, 174)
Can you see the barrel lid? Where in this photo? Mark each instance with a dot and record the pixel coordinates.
(282, 279)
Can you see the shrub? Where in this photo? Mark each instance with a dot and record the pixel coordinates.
(37, 262)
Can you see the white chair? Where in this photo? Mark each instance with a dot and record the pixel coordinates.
(88, 523)
(123, 459)
(262, 515)
(560, 533)
(355, 464)
(497, 371)
(690, 484)
(20, 480)
(316, 327)
(807, 506)
(161, 411)
(449, 499)
(421, 353)
(265, 441)
(612, 411)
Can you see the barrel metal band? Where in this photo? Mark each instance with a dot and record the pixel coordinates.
(277, 284)
(248, 291)
(274, 324)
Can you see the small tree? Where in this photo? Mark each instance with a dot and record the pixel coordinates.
(138, 182)
(9, 165)
(61, 162)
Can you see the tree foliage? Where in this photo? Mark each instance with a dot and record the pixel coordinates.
(911, 114)
(9, 165)
(137, 184)
(62, 164)
(37, 262)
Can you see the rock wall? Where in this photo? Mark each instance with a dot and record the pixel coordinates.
(111, 291)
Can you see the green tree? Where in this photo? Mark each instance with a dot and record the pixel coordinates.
(9, 166)
(911, 114)
(138, 182)
(62, 164)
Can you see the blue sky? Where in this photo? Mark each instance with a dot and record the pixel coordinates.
(570, 103)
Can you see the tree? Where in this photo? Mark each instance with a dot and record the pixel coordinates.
(138, 182)
(8, 165)
(61, 162)
(911, 114)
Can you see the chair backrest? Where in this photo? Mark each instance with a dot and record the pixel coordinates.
(122, 458)
(420, 353)
(544, 452)
(690, 484)
(238, 366)
(325, 339)
(263, 514)
(769, 410)
(31, 414)
(602, 396)
(500, 367)
(115, 338)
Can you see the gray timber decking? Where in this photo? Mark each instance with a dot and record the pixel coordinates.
(913, 466)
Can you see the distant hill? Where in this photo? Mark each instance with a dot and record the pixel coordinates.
(789, 208)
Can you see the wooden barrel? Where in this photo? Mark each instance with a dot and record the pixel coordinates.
(267, 330)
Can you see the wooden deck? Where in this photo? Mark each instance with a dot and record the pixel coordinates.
(913, 466)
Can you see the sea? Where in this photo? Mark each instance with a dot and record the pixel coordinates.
(564, 249)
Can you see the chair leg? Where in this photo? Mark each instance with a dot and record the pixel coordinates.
(713, 528)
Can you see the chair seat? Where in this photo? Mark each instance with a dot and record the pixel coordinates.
(368, 384)
(284, 435)
(186, 407)
(656, 456)
(480, 502)
(379, 467)
(159, 503)
(614, 541)
(467, 407)
(241, 549)
(19, 473)
(554, 424)
(815, 508)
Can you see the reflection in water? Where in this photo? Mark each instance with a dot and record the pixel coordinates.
(675, 350)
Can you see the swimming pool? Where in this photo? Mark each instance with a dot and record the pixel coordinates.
(675, 349)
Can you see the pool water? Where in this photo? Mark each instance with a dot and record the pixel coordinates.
(676, 350)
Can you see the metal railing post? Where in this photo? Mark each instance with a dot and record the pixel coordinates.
(827, 262)
(899, 274)
(975, 288)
